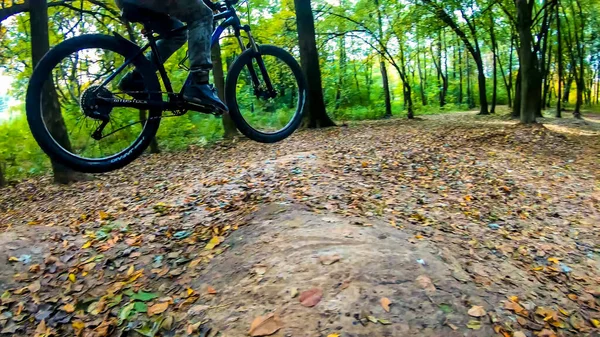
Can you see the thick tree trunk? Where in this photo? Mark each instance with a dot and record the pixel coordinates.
(482, 87)
(567, 90)
(580, 40)
(218, 74)
(309, 57)
(40, 44)
(530, 74)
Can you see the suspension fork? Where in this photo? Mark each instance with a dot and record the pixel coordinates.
(259, 61)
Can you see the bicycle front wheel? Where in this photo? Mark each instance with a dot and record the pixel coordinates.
(266, 94)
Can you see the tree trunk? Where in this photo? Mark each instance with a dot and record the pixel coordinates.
(530, 74)
(420, 70)
(567, 89)
(40, 44)
(229, 128)
(342, 72)
(559, 55)
(495, 65)
(386, 89)
(482, 87)
(407, 91)
(516, 111)
(461, 97)
(309, 57)
(384, 74)
(580, 41)
(470, 100)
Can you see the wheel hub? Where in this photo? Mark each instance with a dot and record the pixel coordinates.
(94, 104)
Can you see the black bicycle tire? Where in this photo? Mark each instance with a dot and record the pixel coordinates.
(231, 86)
(34, 102)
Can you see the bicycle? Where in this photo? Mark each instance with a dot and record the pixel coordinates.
(265, 92)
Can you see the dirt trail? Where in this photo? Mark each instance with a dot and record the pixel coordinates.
(444, 217)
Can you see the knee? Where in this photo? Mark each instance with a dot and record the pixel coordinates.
(200, 12)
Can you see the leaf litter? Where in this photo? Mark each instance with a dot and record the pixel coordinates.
(433, 185)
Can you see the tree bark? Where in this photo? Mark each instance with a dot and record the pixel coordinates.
(530, 74)
(309, 57)
(386, 88)
(516, 111)
(40, 44)
(495, 65)
(382, 67)
(420, 70)
(230, 131)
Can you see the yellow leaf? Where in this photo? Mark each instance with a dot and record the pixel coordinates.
(554, 260)
(69, 308)
(333, 335)
(418, 236)
(572, 297)
(72, 277)
(385, 303)
(130, 270)
(86, 245)
(158, 308)
(595, 322)
(78, 325)
(13, 259)
(514, 299)
(215, 241)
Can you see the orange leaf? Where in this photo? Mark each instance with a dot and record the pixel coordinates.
(385, 303)
(158, 308)
(513, 307)
(211, 290)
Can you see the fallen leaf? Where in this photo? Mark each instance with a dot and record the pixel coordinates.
(215, 241)
(41, 329)
(513, 307)
(477, 311)
(86, 245)
(293, 292)
(158, 308)
(211, 290)
(577, 322)
(311, 297)
(333, 335)
(519, 334)
(385, 303)
(144, 296)
(425, 283)
(475, 325)
(78, 325)
(34, 287)
(265, 325)
(327, 260)
(595, 323)
(69, 308)
(72, 278)
(546, 333)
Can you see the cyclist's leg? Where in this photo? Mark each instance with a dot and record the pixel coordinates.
(169, 45)
(199, 18)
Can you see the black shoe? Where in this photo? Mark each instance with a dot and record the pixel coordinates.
(133, 85)
(203, 94)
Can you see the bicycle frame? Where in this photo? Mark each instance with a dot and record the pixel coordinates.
(230, 19)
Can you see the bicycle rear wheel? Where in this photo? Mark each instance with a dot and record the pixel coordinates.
(262, 114)
(68, 100)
